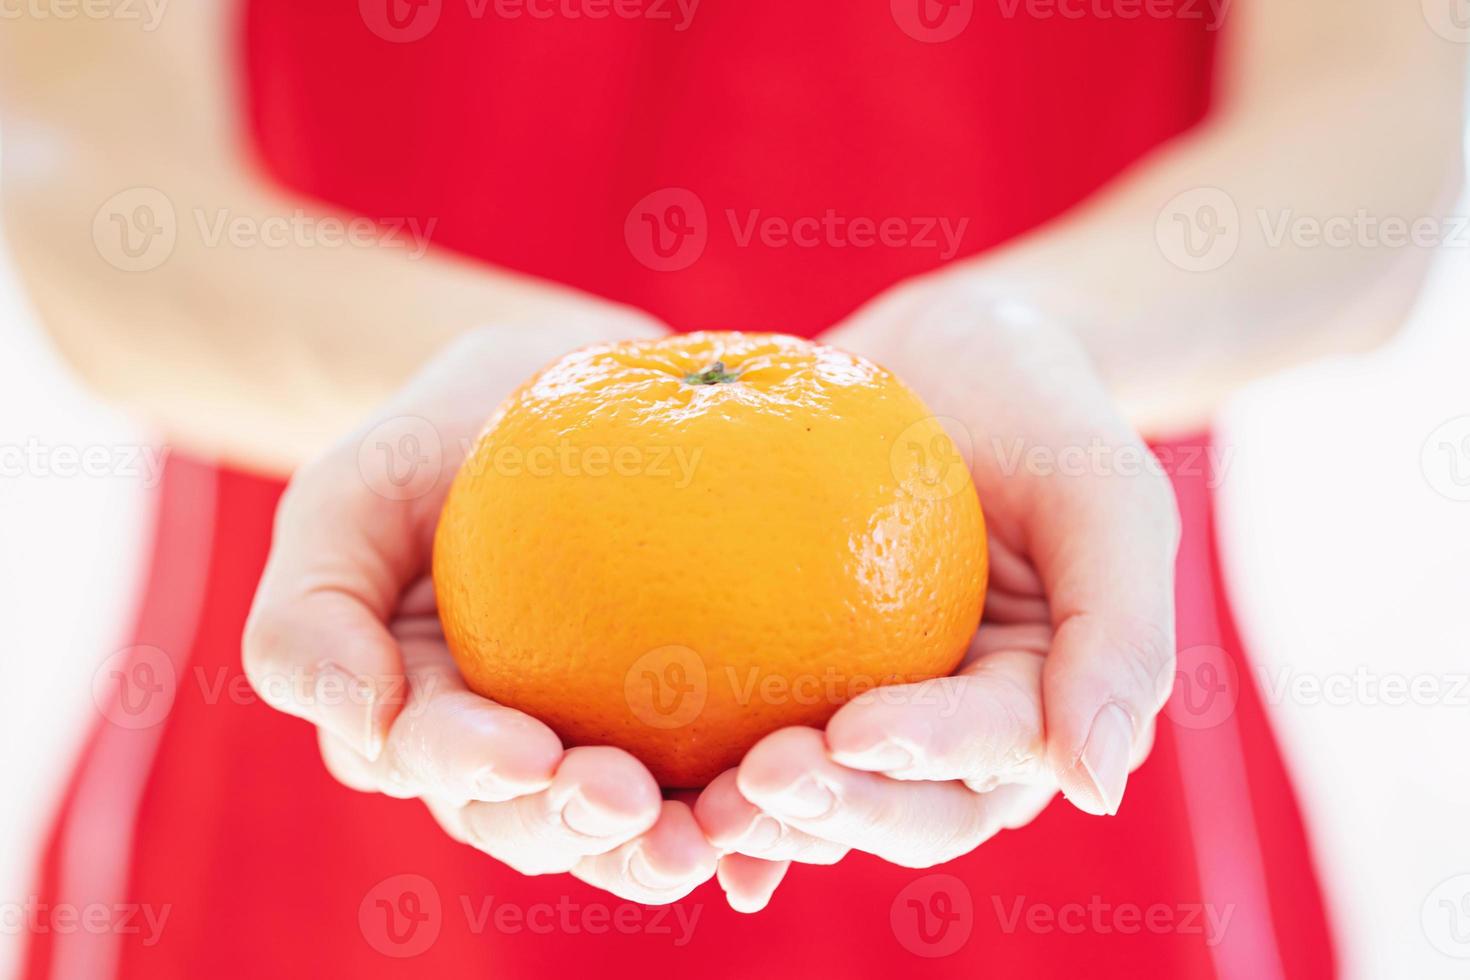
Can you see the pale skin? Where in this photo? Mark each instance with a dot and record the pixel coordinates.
(1327, 107)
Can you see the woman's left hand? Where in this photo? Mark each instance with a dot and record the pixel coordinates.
(1074, 658)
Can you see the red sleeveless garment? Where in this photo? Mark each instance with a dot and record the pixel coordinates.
(762, 164)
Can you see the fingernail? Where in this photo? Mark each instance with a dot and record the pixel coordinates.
(805, 799)
(764, 833)
(641, 871)
(885, 756)
(491, 788)
(1105, 756)
(346, 705)
(588, 820)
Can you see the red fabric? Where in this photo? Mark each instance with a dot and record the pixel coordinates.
(529, 142)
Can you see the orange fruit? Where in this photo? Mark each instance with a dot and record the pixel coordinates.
(677, 546)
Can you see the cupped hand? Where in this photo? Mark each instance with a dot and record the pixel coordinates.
(344, 634)
(1073, 659)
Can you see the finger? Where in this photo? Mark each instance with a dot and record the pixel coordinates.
(914, 824)
(1105, 546)
(1018, 804)
(734, 824)
(450, 817)
(661, 866)
(450, 742)
(983, 725)
(315, 645)
(346, 764)
(599, 799)
(749, 882)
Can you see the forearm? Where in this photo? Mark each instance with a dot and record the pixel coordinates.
(262, 331)
(1357, 157)
(260, 353)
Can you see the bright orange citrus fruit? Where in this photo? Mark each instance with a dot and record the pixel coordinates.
(676, 546)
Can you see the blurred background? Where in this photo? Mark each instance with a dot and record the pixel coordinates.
(1346, 534)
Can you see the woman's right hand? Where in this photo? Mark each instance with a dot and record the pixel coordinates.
(344, 633)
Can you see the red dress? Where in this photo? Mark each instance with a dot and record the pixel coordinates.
(767, 164)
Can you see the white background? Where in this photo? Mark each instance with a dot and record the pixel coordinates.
(1345, 561)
